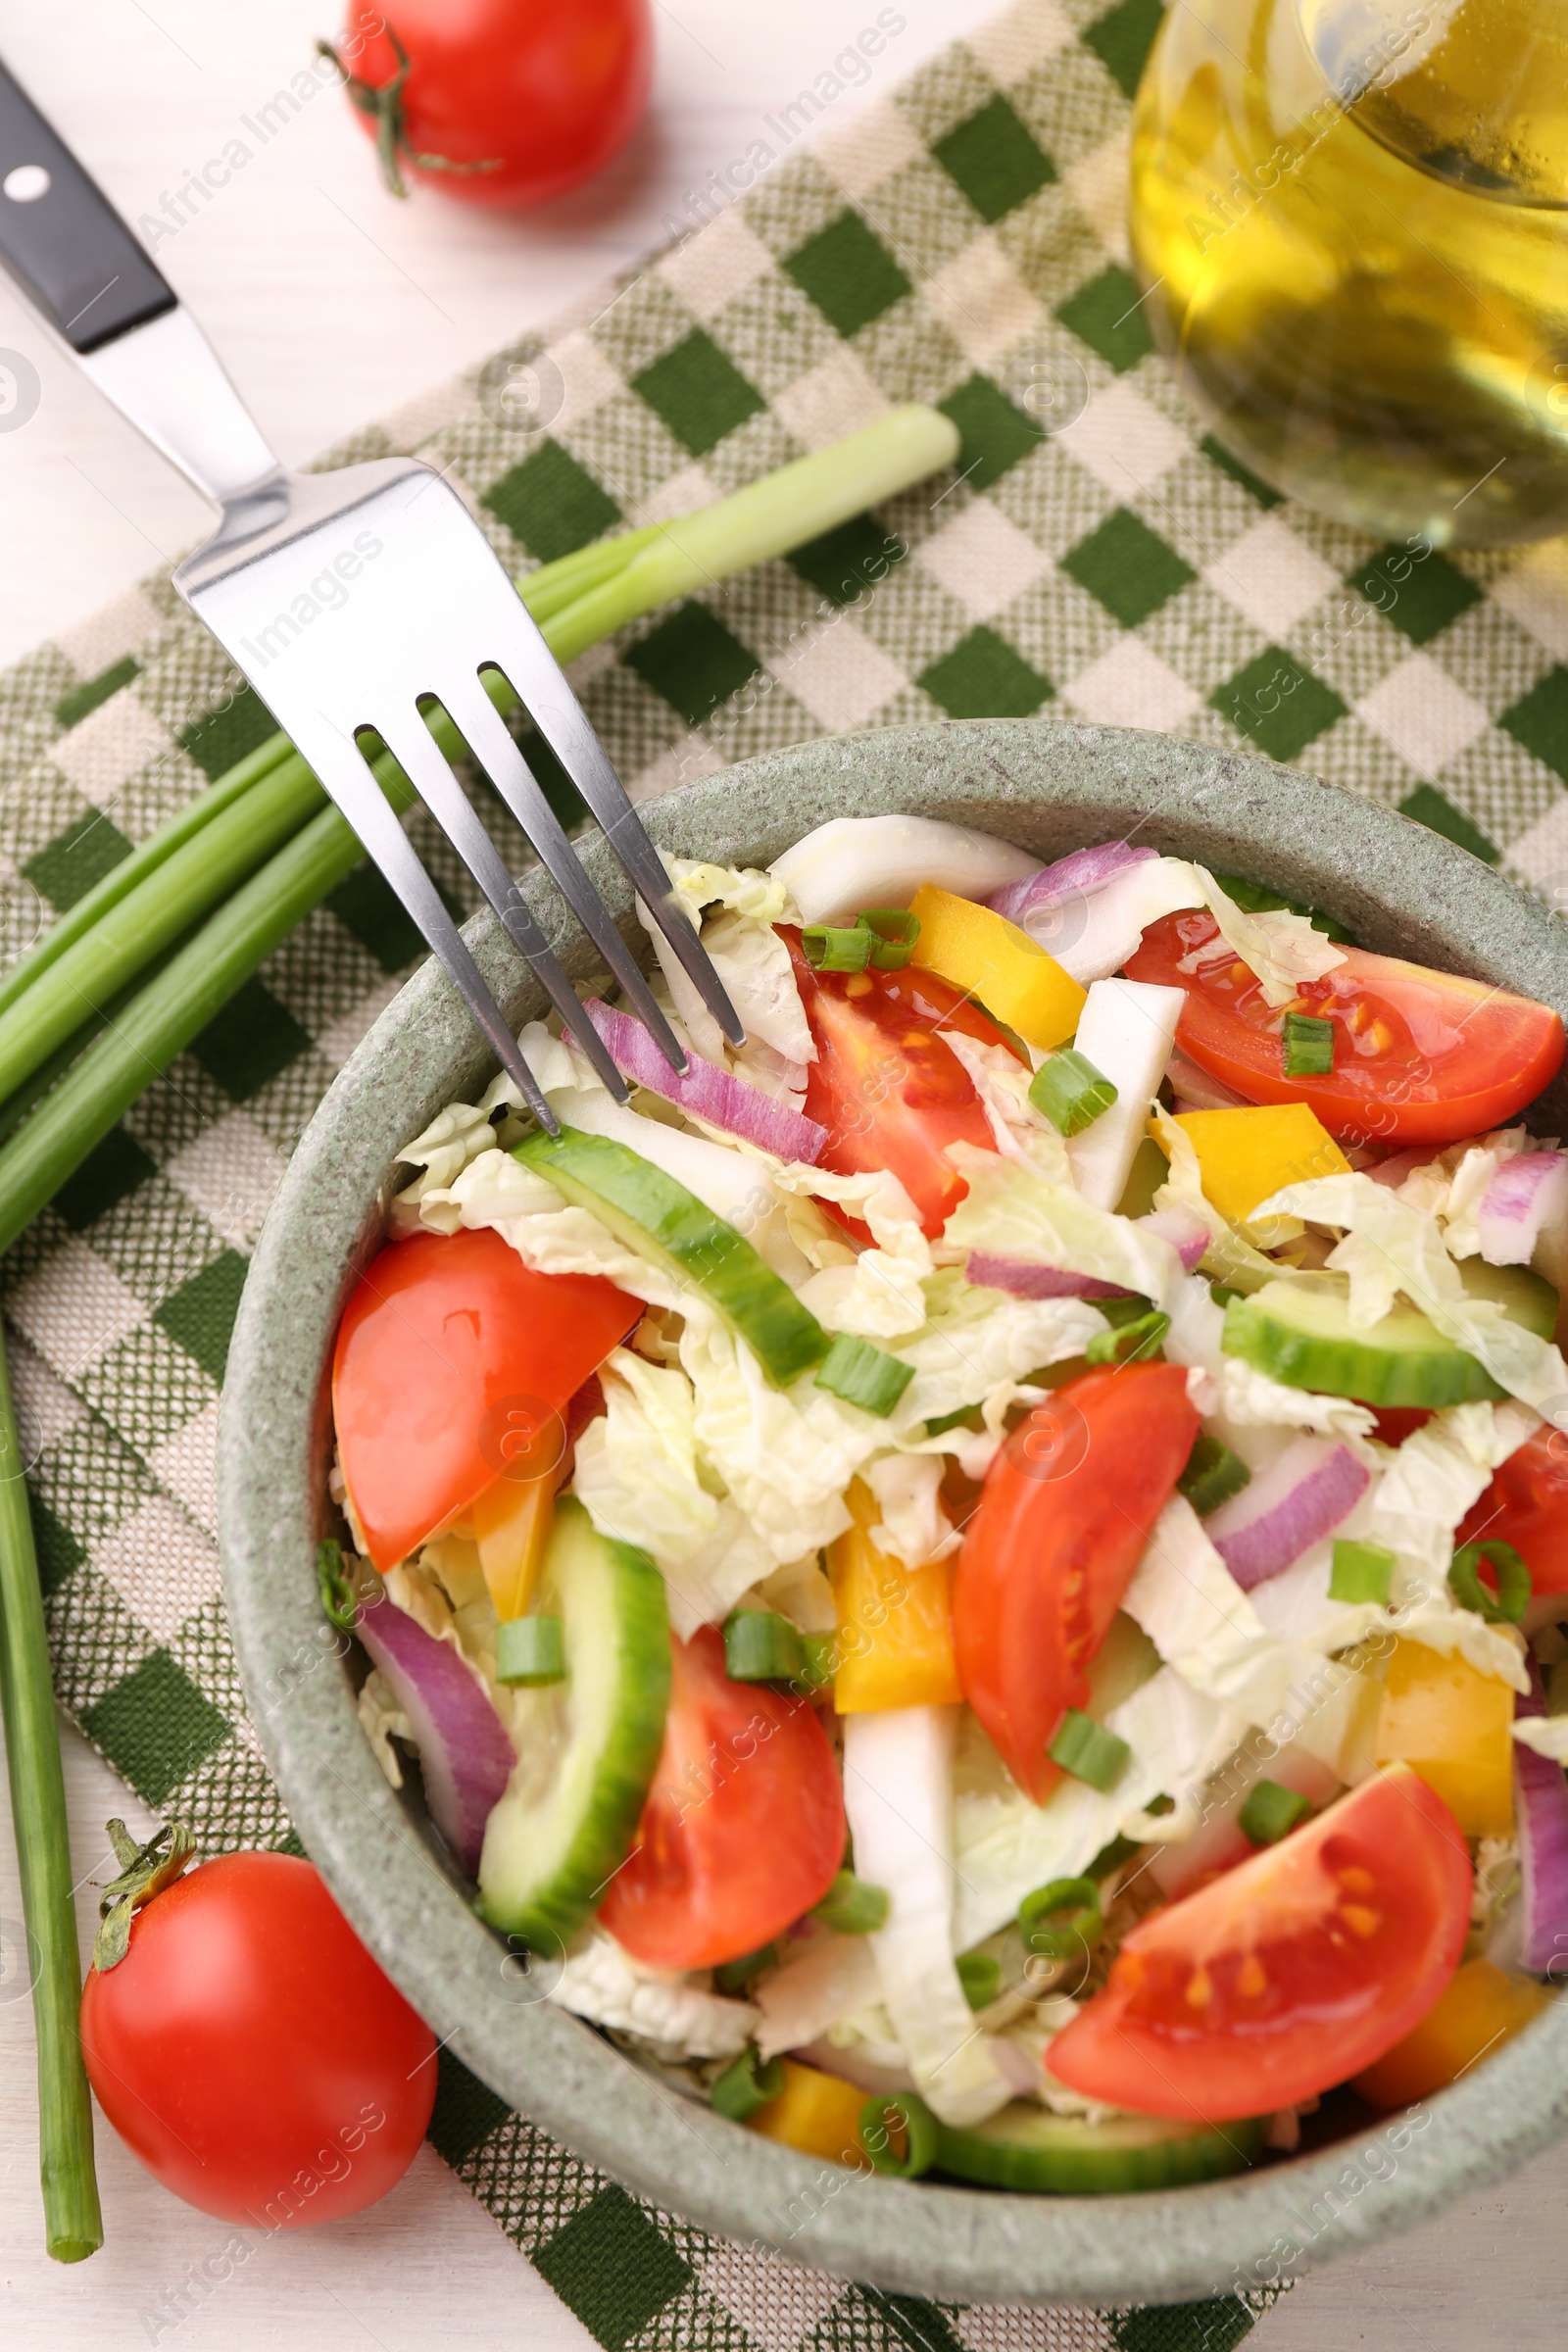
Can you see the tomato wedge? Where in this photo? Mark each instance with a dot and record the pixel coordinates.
(450, 1356)
(743, 1829)
(1061, 1524)
(1420, 1056)
(1527, 1505)
(886, 1084)
(1287, 1975)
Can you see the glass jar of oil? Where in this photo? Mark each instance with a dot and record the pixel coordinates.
(1351, 217)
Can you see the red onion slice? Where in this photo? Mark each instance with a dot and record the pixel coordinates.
(706, 1091)
(465, 1754)
(1073, 876)
(1540, 1806)
(1526, 1191)
(1026, 1278)
(1300, 1499)
(1183, 1228)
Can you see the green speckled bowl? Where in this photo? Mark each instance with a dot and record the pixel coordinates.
(1050, 788)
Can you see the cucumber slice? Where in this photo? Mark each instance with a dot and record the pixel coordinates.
(661, 1220)
(586, 1746)
(1064, 2155)
(1301, 1333)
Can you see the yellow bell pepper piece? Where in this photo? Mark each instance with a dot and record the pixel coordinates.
(1479, 2009)
(512, 1522)
(1454, 1727)
(895, 1624)
(1011, 973)
(815, 2113)
(1244, 1156)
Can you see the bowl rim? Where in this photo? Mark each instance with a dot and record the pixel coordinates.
(1399, 888)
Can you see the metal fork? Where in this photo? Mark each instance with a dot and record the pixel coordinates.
(350, 601)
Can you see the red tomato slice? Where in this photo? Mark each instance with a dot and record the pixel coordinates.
(1420, 1056)
(886, 1084)
(1061, 1524)
(1289, 1974)
(451, 1356)
(743, 1830)
(1527, 1505)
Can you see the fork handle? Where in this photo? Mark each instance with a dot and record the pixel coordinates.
(62, 239)
(71, 253)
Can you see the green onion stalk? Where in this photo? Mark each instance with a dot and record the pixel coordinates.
(72, 2223)
(136, 970)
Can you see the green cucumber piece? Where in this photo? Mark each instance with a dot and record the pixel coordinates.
(1300, 1333)
(586, 1746)
(663, 1222)
(1062, 2155)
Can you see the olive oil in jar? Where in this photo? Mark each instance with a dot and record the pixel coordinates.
(1353, 216)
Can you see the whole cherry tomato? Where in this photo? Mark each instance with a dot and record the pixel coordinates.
(497, 102)
(252, 2054)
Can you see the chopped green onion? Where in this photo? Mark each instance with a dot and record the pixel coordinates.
(852, 1907)
(1308, 1046)
(1111, 1857)
(530, 1651)
(340, 1599)
(832, 948)
(1360, 1571)
(980, 1975)
(73, 2222)
(746, 2084)
(1131, 1342)
(1213, 1474)
(863, 1375)
(1086, 1749)
(1069, 1092)
(895, 931)
(1513, 1597)
(733, 1976)
(1118, 1311)
(1271, 1812)
(903, 2112)
(1075, 1905)
(1222, 1293)
(963, 1414)
(761, 1648)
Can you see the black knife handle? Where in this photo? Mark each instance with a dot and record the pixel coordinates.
(62, 240)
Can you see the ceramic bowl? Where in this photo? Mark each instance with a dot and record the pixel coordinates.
(1050, 788)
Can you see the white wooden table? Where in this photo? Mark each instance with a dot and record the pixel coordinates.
(333, 304)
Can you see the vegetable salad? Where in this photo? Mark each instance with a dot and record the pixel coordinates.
(978, 1579)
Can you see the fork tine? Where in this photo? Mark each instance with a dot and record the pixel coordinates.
(488, 737)
(526, 661)
(341, 768)
(427, 769)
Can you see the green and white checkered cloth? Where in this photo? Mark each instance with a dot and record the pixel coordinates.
(961, 242)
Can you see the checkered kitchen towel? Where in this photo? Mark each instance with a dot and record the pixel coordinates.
(961, 242)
